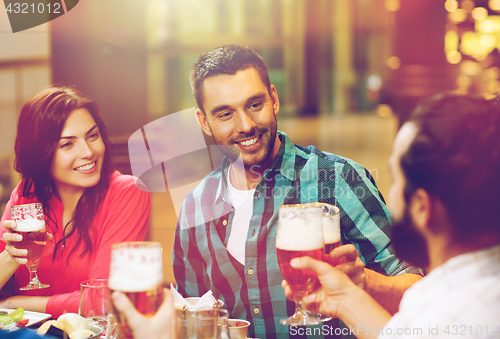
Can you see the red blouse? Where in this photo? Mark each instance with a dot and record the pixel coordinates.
(122, 216)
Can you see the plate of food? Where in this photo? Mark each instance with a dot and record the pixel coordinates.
(72, 325)
(12, 319)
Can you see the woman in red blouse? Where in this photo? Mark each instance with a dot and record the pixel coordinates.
(63, 153)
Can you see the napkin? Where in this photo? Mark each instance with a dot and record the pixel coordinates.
(206, 300)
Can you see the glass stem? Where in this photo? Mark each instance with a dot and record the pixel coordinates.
(33, 275)
(298, 306)
(34, 282)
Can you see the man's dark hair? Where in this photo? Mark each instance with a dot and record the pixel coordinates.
(227, 59)
(455, 157)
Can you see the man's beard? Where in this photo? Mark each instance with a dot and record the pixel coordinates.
(409, 245)
(232, 151)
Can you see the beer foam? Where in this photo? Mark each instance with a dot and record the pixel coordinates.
(299, 235)
(139, 284)
(331, 229)
(29, 225)
(135, 269)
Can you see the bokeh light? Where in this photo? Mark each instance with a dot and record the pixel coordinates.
(392, 5)
(451, 5)
(454, 57)
(393, 62)
(479, 13)
(467, 5)
(458, 16)
(494, 5)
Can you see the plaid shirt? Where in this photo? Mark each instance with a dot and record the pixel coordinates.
(297, 175)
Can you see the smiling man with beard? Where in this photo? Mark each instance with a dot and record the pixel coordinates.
(226, 234)
(444, 202)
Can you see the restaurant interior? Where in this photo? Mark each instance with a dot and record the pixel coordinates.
(347, 72)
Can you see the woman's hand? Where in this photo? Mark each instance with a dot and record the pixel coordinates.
(17, 255)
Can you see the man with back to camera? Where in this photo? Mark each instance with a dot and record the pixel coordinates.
(444, 201)
(225, 236)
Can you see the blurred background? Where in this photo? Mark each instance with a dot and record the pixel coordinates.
(348, 72)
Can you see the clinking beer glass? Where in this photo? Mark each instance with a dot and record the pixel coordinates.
(331, 230)
(300, 233)
(31, 225)
(331, 236)
(137, 271)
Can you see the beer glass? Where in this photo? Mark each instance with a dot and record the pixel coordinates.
(331, 236)
(94, 301)
(299, 234)
(222, 324)
(31, 225)
(137, 271)
(203, 323)
(331, 230)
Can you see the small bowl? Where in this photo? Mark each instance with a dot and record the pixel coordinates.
(238, 328)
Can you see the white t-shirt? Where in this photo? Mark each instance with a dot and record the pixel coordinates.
(242, 202)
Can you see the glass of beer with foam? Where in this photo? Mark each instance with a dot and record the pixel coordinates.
(300, 233)
(31, 225)
(137, 271)
(331, 236)
(331, 230)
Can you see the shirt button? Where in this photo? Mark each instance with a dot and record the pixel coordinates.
(224, 222)
(256, 310)
(250, 271)
(253, 233)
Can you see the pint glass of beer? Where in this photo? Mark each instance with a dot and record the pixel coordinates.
(136, 270)
(31, 225)
(299, 234)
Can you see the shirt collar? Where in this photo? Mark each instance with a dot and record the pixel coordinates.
(284, 162)
(285, 159)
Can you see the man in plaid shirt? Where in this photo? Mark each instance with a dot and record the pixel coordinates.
(226, 232)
